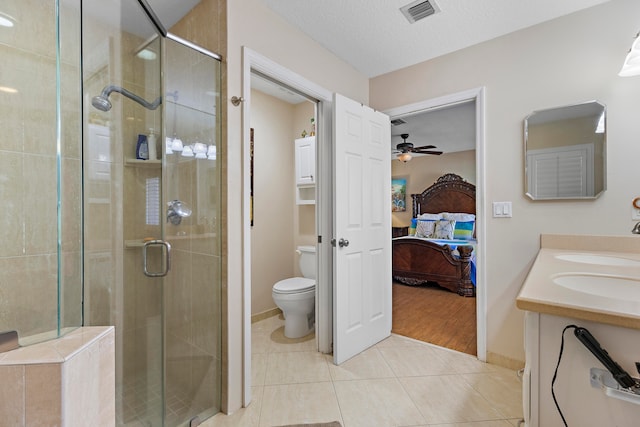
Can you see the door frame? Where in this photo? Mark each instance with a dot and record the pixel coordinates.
(477, 95)
(253, 61)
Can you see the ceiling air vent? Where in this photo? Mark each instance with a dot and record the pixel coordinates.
(419, 10)
(397, 122)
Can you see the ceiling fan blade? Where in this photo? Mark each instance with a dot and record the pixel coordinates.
(424, 147)
(437, 153)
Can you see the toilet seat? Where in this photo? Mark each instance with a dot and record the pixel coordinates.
(294, 285)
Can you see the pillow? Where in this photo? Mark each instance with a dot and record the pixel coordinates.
(444, 229)
(412, 227)
(464, 230)
(434, 217)
(425, 228)
(459, 216)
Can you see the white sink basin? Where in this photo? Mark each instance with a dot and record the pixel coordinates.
(598, 259)
(616, 287)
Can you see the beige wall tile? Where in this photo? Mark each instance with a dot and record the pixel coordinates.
(107, 380)
(43, 394)
(12, 388)
(82, 385)
(40, 204)
(34, 309)
(11, 173)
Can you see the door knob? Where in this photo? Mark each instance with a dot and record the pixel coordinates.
(343, 243)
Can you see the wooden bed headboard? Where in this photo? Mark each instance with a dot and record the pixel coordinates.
(450, 193)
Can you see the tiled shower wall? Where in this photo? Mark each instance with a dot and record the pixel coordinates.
(29, 264)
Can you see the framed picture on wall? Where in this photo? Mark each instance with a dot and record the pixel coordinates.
(398, 194)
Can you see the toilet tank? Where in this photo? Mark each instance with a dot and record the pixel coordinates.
(307, 261)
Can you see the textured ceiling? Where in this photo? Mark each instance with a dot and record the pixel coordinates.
(375, 37)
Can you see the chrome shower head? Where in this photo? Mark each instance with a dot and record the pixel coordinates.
(102, 103)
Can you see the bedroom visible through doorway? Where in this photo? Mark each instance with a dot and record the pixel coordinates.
(426, 311)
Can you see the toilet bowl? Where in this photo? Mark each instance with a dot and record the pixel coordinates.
(296, 296)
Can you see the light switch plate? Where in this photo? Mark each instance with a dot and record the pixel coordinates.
(502, 210)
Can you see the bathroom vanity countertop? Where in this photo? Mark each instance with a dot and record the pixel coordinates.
(541, 294)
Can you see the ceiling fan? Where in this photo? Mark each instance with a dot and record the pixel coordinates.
(404, 149)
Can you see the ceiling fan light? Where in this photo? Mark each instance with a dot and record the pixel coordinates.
(404, 157)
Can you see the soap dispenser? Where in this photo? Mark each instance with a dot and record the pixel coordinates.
(153, 148)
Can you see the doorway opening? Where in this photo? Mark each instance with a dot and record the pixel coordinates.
(264, 75)
(454, 124)
(283, 206)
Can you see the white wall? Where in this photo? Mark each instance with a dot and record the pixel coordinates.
(273, 182)
(571, 59)
(250, 23)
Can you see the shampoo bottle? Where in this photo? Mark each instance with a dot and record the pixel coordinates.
(142, 148)
(153, 149)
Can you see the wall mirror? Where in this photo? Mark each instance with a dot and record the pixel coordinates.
(565, 152)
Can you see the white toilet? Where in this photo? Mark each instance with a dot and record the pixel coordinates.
(296, 296)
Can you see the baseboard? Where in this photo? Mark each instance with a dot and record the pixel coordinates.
(265, 315)
(504, 361)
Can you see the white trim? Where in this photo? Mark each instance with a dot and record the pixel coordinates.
(246, 229)
(324, 309)
(476, 94)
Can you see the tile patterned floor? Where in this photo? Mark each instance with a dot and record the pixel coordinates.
(398, 382)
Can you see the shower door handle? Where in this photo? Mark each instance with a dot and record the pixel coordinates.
(167, 258)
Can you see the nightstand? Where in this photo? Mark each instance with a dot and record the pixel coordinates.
(399, 231)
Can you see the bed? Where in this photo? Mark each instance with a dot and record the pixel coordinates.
(450, 263)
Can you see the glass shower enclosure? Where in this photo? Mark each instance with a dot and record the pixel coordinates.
(152, 263)
(92, 233)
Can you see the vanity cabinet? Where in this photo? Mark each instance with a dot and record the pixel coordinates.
(305, 155)
(580, 402)
(589, 282)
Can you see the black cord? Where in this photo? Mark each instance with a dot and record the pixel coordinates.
(555, 373)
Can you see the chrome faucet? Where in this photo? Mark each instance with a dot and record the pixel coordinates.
(636, 228)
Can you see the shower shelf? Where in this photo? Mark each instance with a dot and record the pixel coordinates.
(138, 243)
(143, 163)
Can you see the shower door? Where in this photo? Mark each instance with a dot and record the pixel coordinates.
(151, 231)
(191, 194)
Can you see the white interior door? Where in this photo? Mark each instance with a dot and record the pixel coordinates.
(362, 224)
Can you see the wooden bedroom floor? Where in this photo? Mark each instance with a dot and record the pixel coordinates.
(435, 315)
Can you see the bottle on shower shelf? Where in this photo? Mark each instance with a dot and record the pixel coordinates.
(153, 148)
(142, 148)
